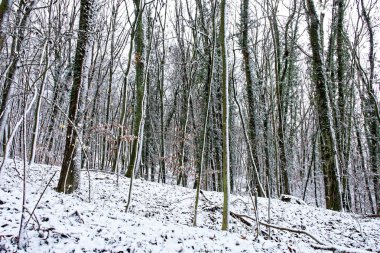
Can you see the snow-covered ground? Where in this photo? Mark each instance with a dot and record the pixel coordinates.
(160, 219)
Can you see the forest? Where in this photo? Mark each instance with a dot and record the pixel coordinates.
(257, 98)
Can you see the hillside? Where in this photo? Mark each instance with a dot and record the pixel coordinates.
(161, 219)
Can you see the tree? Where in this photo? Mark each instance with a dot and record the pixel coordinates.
(185, 70)
(225, 121)
(160, 83)
(208, 86)
(140, 89)
(22, 18)
(333, 194)
(5, 7)
(123, 114)
(138, 125)
(251, 101)
(70, 172)
(372, 114)
(343, 117)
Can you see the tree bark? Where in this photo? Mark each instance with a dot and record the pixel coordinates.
(5, 7)
(225, 119)
(333, 195)
(140, 90)
(372, 117)
(249, 87)
(70, 173)
(22, 18)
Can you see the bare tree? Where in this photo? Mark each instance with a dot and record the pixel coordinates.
(5, 7)
(330, 166)
(225, 122)
(70, 173)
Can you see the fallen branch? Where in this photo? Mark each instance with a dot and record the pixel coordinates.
(323, 245)
(294, 231)
(211, 208)
(241, 218)
(372, 216)
(338, 249)
(209, 201)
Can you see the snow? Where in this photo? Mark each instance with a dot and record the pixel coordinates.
(160, 219)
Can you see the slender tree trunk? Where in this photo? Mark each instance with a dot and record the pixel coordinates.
(57, 100)
(372, 113)
(182, 152)
(281, 69)
(105, 145)
(36, 125)
(312, 161)
(162, 172)
(364, 168)
(205, 127)
(250, 153)
(225, 120)
(122, 119)
(70, 173)
(140, 90)
(251, 129)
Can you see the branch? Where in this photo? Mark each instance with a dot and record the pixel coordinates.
(322, 245)
(338, 249)
(39, 199)
(206, 197)
(294, 231)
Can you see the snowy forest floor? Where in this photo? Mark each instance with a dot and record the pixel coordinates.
(160, 219)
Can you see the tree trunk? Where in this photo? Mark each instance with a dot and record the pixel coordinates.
(5, 7)
(333, 193)
(225, 120)
(140, 91)
(372, 113)
(162, 172)
(36, 126)
(254, 170)
(22, 19)
(70, 173)
(210, 78)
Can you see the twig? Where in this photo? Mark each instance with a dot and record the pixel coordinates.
(206, 198)
(15, 168)
(239, 199)
(78, 217)
(269, 218)
(39, 199)
(34, 216)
